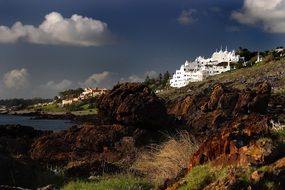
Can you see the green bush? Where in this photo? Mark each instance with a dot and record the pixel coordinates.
(111, 183)
(202, 175)
(198, 178)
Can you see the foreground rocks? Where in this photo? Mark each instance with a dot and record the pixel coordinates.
(90, 150)
(133, 117)
(231, 125)
(233, 128)
(16, 167)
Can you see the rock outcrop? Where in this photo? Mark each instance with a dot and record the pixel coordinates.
(83, 143)
(133, 104)
(212, 108)
(237, 143)
(228, 123)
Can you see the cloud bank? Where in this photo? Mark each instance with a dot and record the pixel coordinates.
(269, 14)
(16, 79)
(16, 84)
(57, 30)
(60, 86)
(97, 79)
(140, 78)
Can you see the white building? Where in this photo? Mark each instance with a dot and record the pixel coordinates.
(92, 92)
(86, 94)
(259, 58)
(198, 70)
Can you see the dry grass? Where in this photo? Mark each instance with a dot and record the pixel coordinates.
(165, 161)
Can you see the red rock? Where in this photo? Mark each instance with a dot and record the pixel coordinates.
(257, 176)
(216, 106)
(232, 143)
(279, 164)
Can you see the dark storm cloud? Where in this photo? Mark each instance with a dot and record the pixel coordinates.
(149, 39)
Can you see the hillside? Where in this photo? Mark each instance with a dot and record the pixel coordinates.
(272, 71)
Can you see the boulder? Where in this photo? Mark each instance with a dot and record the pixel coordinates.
(133, 104)
(257, 176)
(85, 142)
(236, 143)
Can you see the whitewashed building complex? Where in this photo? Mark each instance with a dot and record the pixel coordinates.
(198, 70)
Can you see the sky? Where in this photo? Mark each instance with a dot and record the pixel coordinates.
(50, 46)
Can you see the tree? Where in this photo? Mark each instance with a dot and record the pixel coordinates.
(160, 77)
(166, 77)
(71, 93)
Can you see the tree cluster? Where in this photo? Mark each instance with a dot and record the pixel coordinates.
(70, 93)
(158, 83)
(22, 103)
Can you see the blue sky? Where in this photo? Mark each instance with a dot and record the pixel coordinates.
(123, 40)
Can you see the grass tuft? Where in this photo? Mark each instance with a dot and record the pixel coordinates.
(165, 161)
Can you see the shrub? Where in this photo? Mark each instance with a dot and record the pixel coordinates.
(202, 175)
(198, 178)
(165, 161)
(112, 183)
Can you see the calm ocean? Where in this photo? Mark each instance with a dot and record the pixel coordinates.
(41, 124)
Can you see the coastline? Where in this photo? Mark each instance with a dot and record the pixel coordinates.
(78, 117)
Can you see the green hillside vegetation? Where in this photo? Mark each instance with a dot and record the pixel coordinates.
(159, 83)
(80, 107)
(123, 182)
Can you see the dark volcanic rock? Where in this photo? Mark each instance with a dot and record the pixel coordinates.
(91, 150)
(133, 104)
(214, 107)
(16, 167)
(81, 143)
(17, 139)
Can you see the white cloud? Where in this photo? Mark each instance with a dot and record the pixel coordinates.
(57, 30)
(17, 78)
(99, 79)
(269, 14)
(139, 78)
(186, 17)
(60, 86)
